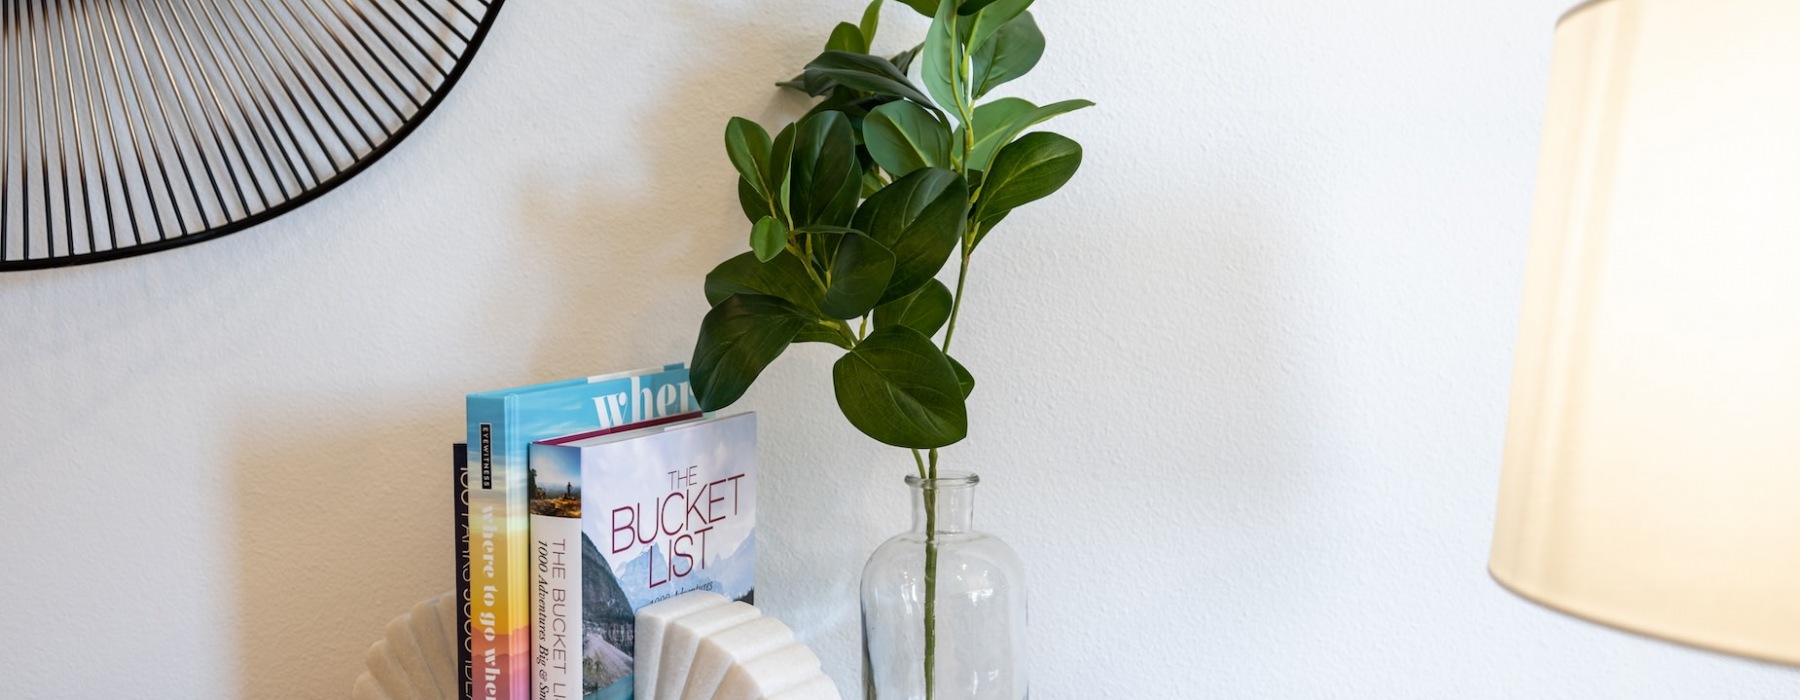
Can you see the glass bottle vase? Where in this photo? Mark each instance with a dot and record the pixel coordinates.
(944, 602)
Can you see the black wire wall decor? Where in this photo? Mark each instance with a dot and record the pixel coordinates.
(132, 126)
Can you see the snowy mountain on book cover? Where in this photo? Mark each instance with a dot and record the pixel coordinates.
(661, 512)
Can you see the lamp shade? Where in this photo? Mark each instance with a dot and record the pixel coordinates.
(1651, 477)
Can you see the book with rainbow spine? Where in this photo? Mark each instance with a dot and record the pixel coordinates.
(501, 424)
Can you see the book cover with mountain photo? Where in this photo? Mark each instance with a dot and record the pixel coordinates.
(623, 520)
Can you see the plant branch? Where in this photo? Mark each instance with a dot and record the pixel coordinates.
(843, 329)
(806, 262)
(964, 97)
(786, 217)
(962, 278)
(931, 562)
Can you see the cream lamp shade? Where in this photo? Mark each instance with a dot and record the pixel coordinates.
(1651, 476)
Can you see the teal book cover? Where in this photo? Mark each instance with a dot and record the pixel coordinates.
(501, 424)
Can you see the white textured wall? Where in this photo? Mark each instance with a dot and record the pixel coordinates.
(1242, 382)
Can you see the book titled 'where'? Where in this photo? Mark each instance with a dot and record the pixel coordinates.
(621, 521)
(501, 425)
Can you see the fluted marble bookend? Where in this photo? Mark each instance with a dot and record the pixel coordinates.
(699, 646)
(416, 658)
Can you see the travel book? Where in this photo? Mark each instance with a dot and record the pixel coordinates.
(624, 520)
(459, 482)
(501, 424)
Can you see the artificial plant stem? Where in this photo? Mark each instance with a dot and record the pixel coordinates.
(843, 329)
(964, 100)
(931, 560)
(806, 262)
(786, 218)
(968, 140)
(963, 97)
(962, 277)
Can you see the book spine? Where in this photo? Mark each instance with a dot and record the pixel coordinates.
(459, 459)
(556, 603)
(500, 627)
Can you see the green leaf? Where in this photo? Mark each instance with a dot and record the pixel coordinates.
(738, 338)
(842, 99)
(824, 165)
(818, 332)
(871, 20)
(1025, 171)
(903, 137)
(997, 123)
(842, 208)
(781, 169)
(924, 310)
(904, 59)
(811, 83)
(920, 218)
(1012, 52)
(755, 207)
(924, 7)
(847, 37)
(860, 71)
(784, 276)
(969, 7)
(941, 59)
(897, 387)
(824, 242)
(829, 230)
(988, 224)
(767, 238)
(748, 146)
(963, 377)
(990, 19)
(860, 270)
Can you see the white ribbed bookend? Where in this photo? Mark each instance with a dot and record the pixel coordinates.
(710, 649)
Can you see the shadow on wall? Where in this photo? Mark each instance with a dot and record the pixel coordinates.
(624, 250)
(329, 528)
(341, 524)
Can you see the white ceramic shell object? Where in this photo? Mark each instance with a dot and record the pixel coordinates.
(416, 658)
(713, 650)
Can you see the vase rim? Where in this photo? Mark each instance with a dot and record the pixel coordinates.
(945, 480)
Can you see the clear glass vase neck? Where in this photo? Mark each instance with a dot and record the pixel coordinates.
(945, 505)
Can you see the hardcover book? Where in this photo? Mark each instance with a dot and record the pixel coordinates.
(624, 520)
(501, 424)
(459, 480)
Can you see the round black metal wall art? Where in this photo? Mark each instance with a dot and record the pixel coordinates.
(132, 126)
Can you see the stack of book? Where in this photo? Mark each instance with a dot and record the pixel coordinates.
(580, 502)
